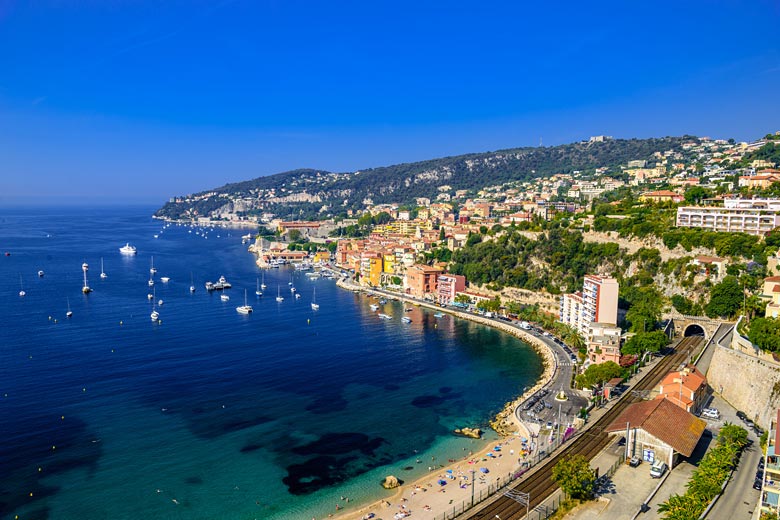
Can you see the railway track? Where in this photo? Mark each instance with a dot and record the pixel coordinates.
(539, 484)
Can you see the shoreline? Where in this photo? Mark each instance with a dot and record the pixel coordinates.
(506, 424)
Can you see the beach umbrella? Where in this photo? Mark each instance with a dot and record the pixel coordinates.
(449, 471)
(442, 482)
(484, 470)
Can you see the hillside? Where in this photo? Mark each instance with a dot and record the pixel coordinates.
(307, 192)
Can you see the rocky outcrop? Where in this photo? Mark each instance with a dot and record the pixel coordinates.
(503, 423)
(474, 433)
(390, 482)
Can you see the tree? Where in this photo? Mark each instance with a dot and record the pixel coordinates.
(725, 299)
(643, 342)
(682, 304)
(442, 236)
(765, 334)
(575, 477)
(598, 374)
(644, 310)
(294, 235)
(462, 298)
(695, 194)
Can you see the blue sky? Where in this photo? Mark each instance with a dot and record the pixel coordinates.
(133, 101)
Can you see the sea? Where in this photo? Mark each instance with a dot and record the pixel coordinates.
(208, 413)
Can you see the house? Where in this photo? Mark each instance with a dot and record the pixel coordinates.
(686, 388)
(772, 292)
(712, 267)
(603, 342)
(661, 196)
(658, 429)
(450, 285)
(421, 281)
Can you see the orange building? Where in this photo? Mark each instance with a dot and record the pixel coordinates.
(421, 281)
(686, 388)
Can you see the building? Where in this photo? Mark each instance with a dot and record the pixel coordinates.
(370, 268)
(712, 267)
(661, 196)
(770, 489)
(449, 285)
(597, 302)
(658, 429)
(421, 281)
(754, 220)
(686, 388)
(604, 343)
(771, 292)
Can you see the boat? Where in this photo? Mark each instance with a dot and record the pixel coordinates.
(152, 268)
(279, 296)
(165, 279)
(85, 289)
(70, 312)
(224, 297)
(192, 284)
(297, 296)
(243, 309)
(262, 284)
(40, 273)
(374, 307)
(258, 292)
(222, 284)
(209, 286)
(150, 297)
(155, 316)
(292, 289)
(156, 236)
(127, 249)
(406, 319)
(438, 315)
(103, 274)
(159, 302)
(385, 316)
(151, 281)
(21, 287)
(314, 306)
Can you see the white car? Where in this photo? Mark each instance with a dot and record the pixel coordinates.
(710, 413)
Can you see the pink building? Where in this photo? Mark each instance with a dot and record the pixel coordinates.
(449, 286)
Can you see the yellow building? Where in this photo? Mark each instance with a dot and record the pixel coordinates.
(322, 256)
(388, 262)
(370, 268)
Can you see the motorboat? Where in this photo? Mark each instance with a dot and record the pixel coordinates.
(209, 286)
(103, 274)
(40, 273)
(279, 296)
(127, 249)
(385, 316)
(70, 312)
(224, 297)
(165, 279)
(243, 309)
(406, 319)
(222, 283)
(374, 307)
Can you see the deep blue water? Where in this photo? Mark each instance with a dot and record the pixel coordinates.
(212, 414)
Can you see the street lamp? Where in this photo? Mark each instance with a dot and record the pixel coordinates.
(472, 488)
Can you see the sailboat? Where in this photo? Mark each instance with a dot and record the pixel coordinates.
(244, 309)
(152, 269)
(151, 281)
(258, 291)
(21, 287)
(279, 296)
(103, 274)
(85, 289)
(154, 315)
(314, 305)
(70, 312)
(192, 284)
(262, 284)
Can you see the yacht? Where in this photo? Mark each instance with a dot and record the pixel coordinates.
(70, 312)
(209, 286)
(155, 316)
(224, 297)
(165, 279)
(103, 274)
(85, 289)
(374, 307)
(127, 249)
(297, 296)
(279, 296)
(222, 284)
(244, 309)
(150, 297)
(385, 316)
(152, 268)
(258, 292)
(314, 306)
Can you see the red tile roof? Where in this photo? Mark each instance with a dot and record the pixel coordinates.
(663, 420)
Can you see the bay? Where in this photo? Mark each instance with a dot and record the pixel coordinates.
(209, 413)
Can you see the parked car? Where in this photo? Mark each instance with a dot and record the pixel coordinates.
(622, 441)
(634, 462)
(760, 465)
(757, 484)
(742, 415)
(710, 413)
(658, 469)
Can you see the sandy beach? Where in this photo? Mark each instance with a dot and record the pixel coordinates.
(427, 497)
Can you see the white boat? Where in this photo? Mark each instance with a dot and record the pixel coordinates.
(258, 291)
(70, 312)
(155, 236)
(209, 286)
(21, 287)
(150, 297)
(314, 305)
(127, 249)
(374, 307)
(292, 290)
(438, 315)
(165, 279)
(150, 282)
(244, 309)
(103, 274)
(385, 316)
(159, 302)
(222, 284)
(152, 268)
(85, 289)
(297, 296)
(192, 284)
(40, 273)
(406, 319)
(224, 297)
(155, 316)
(279, 296)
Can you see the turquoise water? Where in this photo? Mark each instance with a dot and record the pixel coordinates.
(212, 414)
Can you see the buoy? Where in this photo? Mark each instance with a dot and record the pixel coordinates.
(31, 493)
(308, 321)
(54, 447)
(40, 469)
(120, 322)
(83, 389)
(62, 417)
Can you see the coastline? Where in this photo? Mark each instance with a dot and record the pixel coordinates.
(414, 496)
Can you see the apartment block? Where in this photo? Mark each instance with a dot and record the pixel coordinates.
(751, 216)
(597, 302)
(450, 285)
(421, 281)
(770, 489)
(603, 342)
